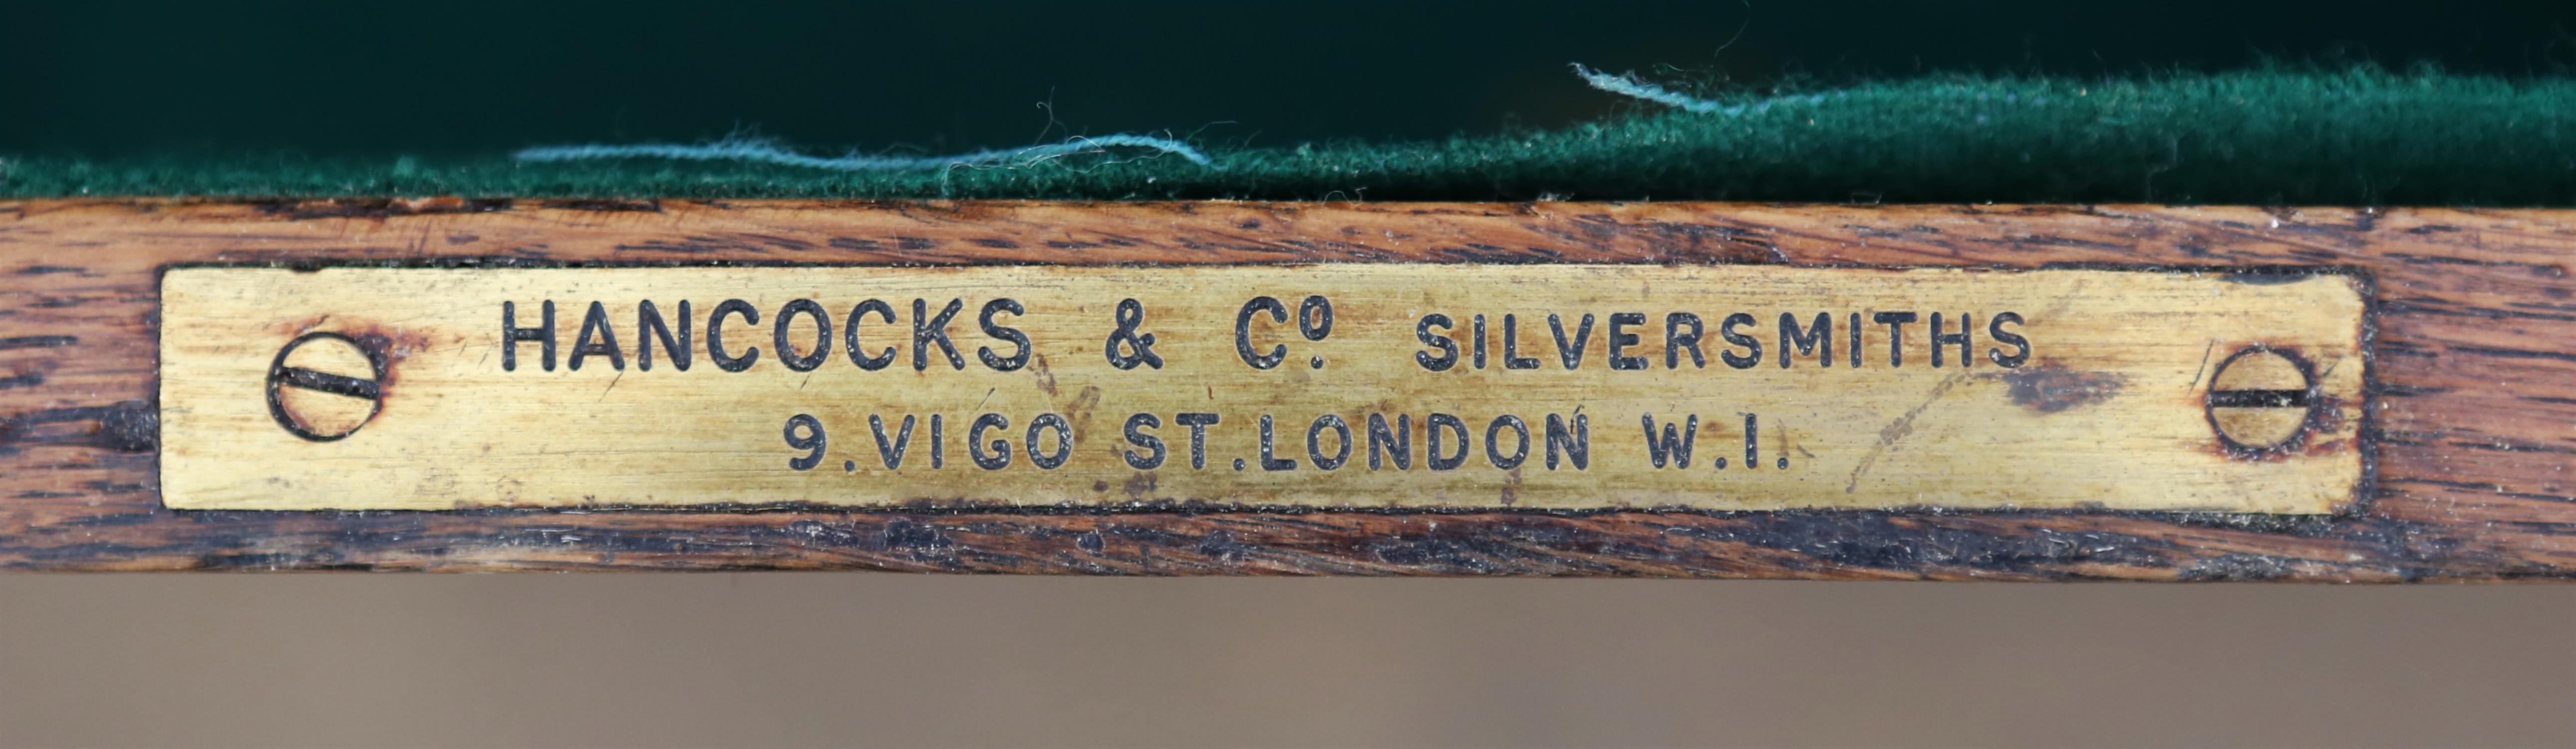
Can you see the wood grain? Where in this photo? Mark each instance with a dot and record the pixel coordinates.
(2472, 410)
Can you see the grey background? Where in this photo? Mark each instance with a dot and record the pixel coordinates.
(905, 660)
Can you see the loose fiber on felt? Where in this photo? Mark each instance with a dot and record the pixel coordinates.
(764, 152)
(2265, 137)
(1627, 85)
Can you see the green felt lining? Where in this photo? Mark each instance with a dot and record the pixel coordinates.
(2362, 137)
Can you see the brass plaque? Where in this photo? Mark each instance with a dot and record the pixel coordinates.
(1344, 386)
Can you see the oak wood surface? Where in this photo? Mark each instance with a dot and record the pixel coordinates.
(2473, 408)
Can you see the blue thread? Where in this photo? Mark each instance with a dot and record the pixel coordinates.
(1628, 85)
(764, 152)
